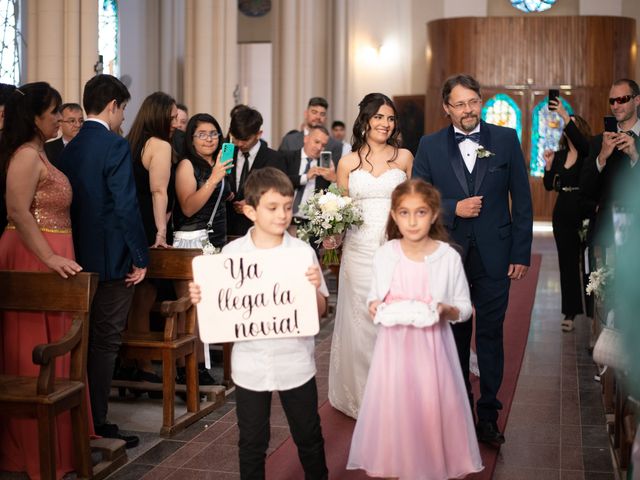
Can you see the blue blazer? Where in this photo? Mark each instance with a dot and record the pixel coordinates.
(108, 236)
(503, 236)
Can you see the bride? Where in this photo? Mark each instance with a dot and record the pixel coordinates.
(368, 174)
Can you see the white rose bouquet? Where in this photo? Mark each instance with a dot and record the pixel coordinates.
(329, 216)
(599, 281)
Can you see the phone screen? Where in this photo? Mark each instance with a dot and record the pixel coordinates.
(325, 159)
(610, 124)
(554, 94)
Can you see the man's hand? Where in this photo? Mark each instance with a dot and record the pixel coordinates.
(469, 207)
(627, 144)
(135, 276)
(328, 173)
(517, 271)
(238, 206)
(609, 141)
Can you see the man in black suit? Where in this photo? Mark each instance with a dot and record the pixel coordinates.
(251, 154)
(314, 115)
(108, 236)
(480, 172)
(304, 171)
(72, 120)
(613, 156)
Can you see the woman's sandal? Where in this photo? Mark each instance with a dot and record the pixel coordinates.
(567, 325)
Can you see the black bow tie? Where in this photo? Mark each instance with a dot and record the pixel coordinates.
(474, 137)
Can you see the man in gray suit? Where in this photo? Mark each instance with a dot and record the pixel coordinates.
(315, 115)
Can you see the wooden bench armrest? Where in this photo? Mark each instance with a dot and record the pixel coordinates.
(43, 353)
(171, 307)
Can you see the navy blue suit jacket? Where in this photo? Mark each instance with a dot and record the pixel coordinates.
(502, 236)
(108, 236)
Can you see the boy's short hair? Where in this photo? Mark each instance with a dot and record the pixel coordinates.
(264, 179)
(102, 89)
(245, 122)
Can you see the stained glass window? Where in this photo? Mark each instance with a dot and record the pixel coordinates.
(9, 42)
(533, 5)
(108, 36)
(502, 110)
(546, 130)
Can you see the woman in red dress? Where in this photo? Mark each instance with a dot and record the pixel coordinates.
(37, 238)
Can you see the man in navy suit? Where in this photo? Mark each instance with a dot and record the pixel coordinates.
(477, 167)
(107, 232)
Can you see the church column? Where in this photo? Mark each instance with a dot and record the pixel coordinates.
(301, 52)
(62, 44)
(211, 57)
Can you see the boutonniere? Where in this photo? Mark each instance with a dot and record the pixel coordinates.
(482, 152)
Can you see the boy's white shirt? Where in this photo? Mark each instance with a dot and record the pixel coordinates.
(273, 364)
(444, 263)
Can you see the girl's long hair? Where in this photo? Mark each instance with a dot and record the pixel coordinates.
(153, 120)
(369, 106)
(431, 197)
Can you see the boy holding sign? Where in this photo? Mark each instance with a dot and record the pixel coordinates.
(286, 365)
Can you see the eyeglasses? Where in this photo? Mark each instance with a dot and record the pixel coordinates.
(205, 135)
(475, 103)
(73, 121)
(621, 100)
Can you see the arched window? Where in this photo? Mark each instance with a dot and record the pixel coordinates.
(502, 110)
(533, 5)
(546, 130)
(10, 42)
(108, 36)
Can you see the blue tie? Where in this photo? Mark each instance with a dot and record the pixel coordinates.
(474, 137)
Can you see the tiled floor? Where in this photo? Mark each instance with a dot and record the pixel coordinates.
(555, 431)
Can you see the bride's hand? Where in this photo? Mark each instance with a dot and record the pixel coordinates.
(373, 308)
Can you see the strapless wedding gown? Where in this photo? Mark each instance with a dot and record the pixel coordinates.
(354, 334)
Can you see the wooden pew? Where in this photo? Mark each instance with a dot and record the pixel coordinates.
(171, 344)
(44, 397)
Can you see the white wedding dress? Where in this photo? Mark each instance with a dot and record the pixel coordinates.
(354, 333)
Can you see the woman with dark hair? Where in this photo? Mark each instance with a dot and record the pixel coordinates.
(37, 238)
(200, 217)
(368, 174)
(200, 187)
(150, 140)
(562, 174)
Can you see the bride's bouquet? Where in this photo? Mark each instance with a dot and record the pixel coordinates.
(329, 216)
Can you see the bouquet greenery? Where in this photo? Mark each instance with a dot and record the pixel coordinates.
(329, 216)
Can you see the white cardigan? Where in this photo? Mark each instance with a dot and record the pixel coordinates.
(447, 281)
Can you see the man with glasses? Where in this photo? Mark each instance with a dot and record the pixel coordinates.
(613, 156)
(72, 120)
(478, 168)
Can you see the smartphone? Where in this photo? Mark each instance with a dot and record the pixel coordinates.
(325, 159)
(554, 94)
(227, 155)
(610, 124)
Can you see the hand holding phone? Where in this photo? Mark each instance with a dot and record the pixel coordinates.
(227, 155)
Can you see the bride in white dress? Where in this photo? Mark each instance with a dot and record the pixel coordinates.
(368, 174)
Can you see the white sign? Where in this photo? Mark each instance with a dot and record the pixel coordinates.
(255, 295)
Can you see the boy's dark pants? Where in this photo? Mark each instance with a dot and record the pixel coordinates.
(300, 405)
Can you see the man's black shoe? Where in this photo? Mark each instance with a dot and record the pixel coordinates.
(111, 430)
(488, 432)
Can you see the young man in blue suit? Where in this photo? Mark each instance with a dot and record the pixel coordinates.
(107, 232)
(478, 167)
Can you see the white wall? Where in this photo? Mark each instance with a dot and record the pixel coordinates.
(464, 8)
(601, 7)
(255, 83)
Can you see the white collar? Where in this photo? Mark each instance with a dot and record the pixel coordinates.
(97, 120)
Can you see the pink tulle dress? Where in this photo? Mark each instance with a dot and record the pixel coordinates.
(20, 332)
(415, 421)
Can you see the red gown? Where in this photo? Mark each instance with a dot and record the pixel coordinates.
(20, 332)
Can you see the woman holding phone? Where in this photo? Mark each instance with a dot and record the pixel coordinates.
(562, 174)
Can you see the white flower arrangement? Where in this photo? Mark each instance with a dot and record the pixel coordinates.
(329, 215)
(582, 233)
(482, 152)
(599, 281)
(208, 248)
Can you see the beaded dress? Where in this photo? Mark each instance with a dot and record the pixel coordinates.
(21, 332)
(354, 334)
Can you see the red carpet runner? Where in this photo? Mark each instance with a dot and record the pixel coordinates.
(283, 463)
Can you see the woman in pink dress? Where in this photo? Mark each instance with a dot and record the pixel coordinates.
(415, 421)
(37, 238)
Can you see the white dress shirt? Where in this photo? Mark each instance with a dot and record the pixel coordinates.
(308, 185)
(273, 364)
(253, 153)
(468, 148)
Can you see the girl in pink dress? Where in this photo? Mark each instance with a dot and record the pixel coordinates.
(415, 421)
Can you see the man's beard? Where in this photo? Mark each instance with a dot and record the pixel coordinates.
(467, 127)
